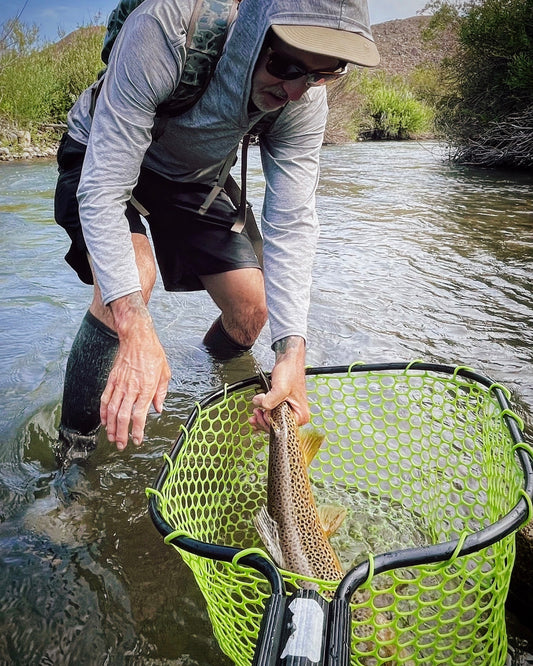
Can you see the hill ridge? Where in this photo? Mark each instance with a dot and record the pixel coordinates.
(402, 47)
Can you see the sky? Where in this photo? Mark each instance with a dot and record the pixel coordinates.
(62, 16)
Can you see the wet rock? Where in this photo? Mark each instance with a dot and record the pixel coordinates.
(19, 143)
(24, 139)
(15, 151)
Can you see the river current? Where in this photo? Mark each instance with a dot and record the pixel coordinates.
(418, 259)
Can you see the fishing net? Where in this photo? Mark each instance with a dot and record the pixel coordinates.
(419, 454)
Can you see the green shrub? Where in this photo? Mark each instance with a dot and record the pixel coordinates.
(494, 69)
(427, 84)
(390, 110)
(491, 73)
(486, 117)
(16, 39)
(80, 64)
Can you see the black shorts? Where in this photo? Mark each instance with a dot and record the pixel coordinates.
(186, 243)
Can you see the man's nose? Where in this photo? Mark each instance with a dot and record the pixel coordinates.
(295, 88)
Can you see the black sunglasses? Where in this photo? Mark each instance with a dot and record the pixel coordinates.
(287, 69)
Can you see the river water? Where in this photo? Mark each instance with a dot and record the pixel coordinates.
(418, 259)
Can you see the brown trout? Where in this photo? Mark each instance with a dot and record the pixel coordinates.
(294, 531)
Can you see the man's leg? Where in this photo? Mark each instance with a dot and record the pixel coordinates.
(240, 295)
(90, 361)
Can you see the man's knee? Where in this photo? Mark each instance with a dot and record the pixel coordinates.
(246, 323)
(232, 334)
(240, 295)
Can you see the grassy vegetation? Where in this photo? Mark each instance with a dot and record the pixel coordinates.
(39, 83)
(480, 97)
(389, 109)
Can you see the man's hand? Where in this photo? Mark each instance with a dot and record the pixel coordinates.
(288, 383)
(139, 376)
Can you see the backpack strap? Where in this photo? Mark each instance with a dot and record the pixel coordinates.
(240, 192)
(219, 186)
(196, 13)
(245, 217)
(115, 23)
(204, 42)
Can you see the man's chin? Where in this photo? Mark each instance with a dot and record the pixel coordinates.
(267, 102)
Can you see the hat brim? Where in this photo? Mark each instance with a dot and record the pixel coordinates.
(348, 46)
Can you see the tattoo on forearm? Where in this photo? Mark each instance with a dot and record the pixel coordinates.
(285, 344)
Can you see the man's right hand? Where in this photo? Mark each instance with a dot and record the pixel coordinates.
(288, 383)
(140, 374)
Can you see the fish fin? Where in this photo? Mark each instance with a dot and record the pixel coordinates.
(311, 441)
(269, 533)
(331, 517)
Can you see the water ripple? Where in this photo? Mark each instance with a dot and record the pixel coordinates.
(417, 259)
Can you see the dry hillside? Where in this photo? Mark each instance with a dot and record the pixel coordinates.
(402, 48)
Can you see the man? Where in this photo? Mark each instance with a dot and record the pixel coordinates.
(277, 57)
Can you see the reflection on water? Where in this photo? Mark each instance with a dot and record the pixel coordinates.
(417, 259)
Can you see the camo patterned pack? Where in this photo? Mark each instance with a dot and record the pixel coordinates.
(205, 39)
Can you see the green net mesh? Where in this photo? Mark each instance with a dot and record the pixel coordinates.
(418, 458)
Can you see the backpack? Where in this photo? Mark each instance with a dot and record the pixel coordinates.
(206, 36)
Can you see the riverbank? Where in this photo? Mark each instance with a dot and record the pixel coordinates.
(19, 144)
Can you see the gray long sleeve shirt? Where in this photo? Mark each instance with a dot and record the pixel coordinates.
(144, 68)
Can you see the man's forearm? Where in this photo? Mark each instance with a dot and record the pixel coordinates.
(292, 345)
(128, 312)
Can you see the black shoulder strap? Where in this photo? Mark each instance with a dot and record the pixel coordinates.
(245, 216)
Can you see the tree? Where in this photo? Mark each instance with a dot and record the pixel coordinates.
(16, 39)
(491, 79)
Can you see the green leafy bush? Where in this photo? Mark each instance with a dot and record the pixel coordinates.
(494, 68)
(427, 84)
(487, 115)
(389, 110)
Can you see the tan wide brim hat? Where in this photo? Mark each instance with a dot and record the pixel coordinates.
(342, 44)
